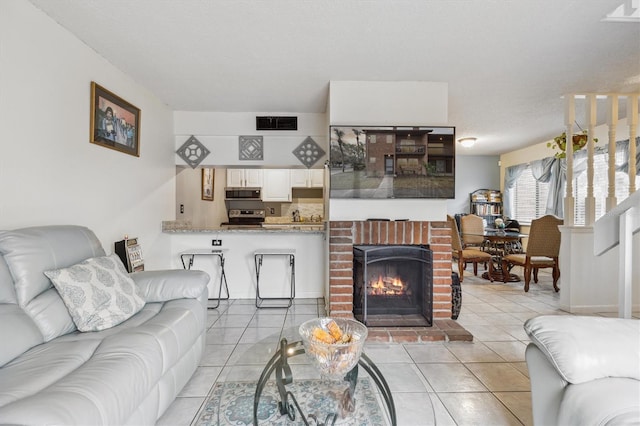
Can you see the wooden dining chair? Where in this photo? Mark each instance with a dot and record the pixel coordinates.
(542, 251)
(472, 228)
(466, 255)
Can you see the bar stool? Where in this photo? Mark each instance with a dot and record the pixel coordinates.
(258, 257)
(191, 254)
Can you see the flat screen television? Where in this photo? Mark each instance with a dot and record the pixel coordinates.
(392, 162)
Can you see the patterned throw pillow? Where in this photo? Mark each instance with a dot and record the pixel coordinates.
(97, 292)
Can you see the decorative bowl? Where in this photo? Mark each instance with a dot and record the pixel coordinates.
(335, 359)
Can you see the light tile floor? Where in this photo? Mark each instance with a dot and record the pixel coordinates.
(484, 382)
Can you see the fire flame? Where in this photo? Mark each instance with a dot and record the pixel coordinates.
(387, 285)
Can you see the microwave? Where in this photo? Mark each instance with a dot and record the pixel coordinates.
(242, 194)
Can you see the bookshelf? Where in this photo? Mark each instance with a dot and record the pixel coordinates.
(486, 203)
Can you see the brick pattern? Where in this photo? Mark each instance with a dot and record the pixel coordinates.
(343, 235)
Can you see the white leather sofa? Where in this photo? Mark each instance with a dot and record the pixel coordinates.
(584, 370)
(51, 373)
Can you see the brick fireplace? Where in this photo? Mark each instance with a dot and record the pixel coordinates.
(345, 234)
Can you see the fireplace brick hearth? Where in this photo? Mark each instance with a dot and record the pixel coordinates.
(343, 235)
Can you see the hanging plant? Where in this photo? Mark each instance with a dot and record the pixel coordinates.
(560, 143)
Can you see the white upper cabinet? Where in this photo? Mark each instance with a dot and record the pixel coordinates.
(307, 178)
(316, 178)
(276, 185)
(244, 178)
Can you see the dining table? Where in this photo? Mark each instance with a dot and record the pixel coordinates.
(499, 243)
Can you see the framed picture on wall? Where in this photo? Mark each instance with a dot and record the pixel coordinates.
(115, 123)
(207, 184)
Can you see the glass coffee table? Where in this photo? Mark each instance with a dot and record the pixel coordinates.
(270, 380)
(339, 396)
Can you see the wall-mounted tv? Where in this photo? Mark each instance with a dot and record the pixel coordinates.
(392, 162)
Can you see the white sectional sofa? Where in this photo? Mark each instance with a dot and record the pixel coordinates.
(51, 373)
(584, 370)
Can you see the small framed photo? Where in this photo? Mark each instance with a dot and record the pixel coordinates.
(115, 123)
(207, 184)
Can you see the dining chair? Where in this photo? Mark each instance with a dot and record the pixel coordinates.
(541, 252)
(512, 225)
(466, 255)
(472, 228)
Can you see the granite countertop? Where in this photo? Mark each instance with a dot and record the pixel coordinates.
(175, 227)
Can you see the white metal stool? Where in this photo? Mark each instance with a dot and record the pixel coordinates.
(191, 254)
(258, 257)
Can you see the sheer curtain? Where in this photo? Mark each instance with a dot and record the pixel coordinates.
(549, 170)
(511, 175)
(623, 147)
(553, 171)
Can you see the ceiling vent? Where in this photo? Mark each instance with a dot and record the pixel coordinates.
(276, 123)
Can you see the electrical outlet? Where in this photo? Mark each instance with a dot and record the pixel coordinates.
(181, 208)
(216, 242)
(272, 210)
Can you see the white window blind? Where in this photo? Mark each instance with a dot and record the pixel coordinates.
(530, 197)
(600, 186)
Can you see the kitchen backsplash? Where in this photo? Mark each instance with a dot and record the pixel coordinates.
(308, 212)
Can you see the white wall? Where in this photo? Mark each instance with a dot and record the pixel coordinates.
(220, 131)
(201, 213)
(473, 172)
(49, 172)
(378, 103)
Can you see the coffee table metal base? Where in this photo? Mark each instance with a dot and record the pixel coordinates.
(288, 405)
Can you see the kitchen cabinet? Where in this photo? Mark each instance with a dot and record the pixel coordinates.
(244, 178)
(276, 185)
(307, 178)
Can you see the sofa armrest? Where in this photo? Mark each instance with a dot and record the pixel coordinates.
(547, 387)
(583, 348)
(162, 286)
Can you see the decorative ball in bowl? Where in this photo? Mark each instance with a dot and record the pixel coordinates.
(334, 345)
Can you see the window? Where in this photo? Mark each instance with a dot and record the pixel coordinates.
(530, 197)
(600, 186)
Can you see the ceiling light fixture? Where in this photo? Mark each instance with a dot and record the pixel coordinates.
(467, 142)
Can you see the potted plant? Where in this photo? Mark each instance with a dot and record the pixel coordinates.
(560, 143)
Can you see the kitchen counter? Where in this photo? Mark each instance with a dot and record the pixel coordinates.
(294, 227)
(309, 242)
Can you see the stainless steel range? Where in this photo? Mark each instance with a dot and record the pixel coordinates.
(244, 218)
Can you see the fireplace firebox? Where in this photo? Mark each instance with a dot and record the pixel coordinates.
(393, 285)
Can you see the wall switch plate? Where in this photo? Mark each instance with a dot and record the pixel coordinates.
(216, 242)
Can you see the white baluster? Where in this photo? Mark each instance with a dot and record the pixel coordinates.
(590, 200)
(612, 122)
(632, 118)
(569, 118)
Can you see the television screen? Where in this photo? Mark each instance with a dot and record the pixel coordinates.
(392, 162)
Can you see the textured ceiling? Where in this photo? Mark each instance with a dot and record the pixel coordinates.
(507, 63)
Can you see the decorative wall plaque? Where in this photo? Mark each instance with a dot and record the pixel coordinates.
(193, 152)
(251, 148)
(308, 152)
